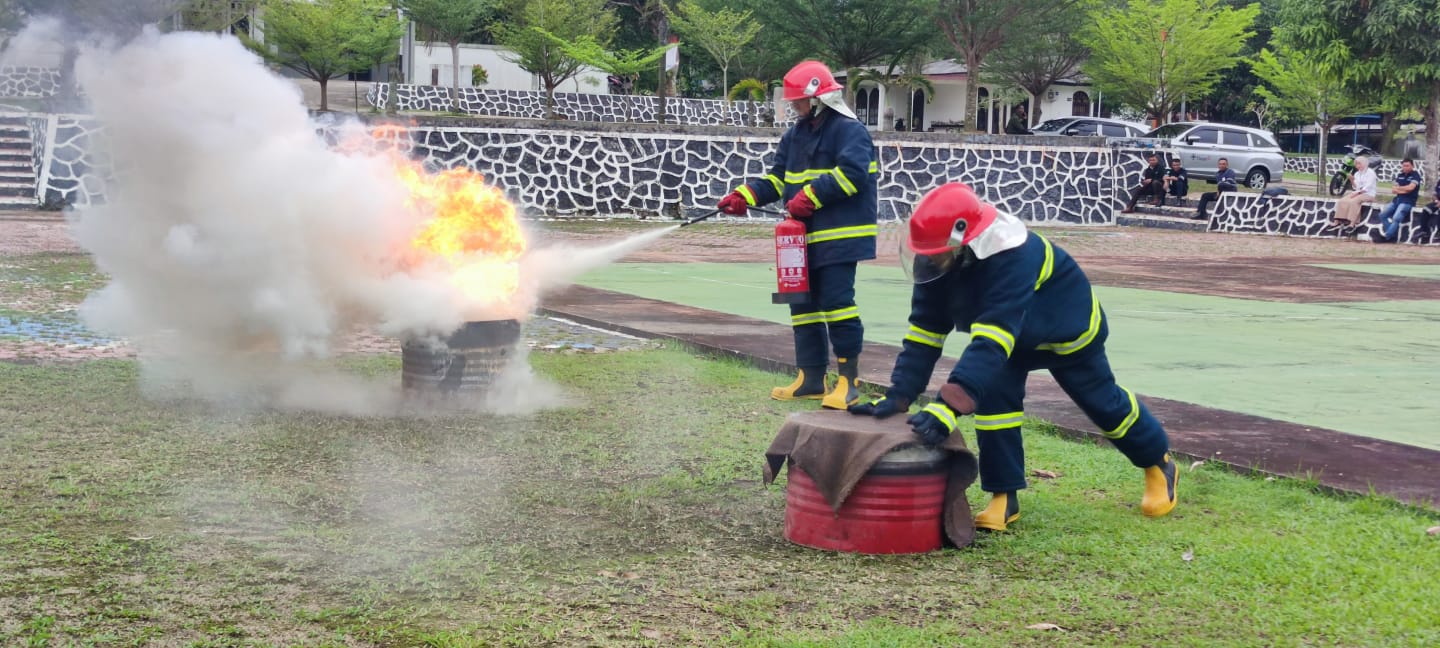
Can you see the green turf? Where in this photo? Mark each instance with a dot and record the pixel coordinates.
(632, 517)
(1429, 271)
(1327, 365)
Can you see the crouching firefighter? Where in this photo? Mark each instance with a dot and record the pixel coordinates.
(1026, 305)
(825, 170)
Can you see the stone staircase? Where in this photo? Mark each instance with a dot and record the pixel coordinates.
(1173, 215)
(17, 166)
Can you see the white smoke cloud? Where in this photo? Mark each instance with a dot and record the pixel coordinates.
(240, 245)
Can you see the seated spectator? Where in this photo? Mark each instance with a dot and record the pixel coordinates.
(899, 124)
(1019, 124)
(1224, 181)
(1152, 183)
(1177, 181)
(1407, 192)
(1427, 220)
(1348, 208)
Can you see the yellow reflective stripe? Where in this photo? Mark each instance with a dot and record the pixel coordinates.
(858, 231)
(802, 177)
(999, 421)
(1066, 348)
(999, 335)
(841, 314)
(874, 167)
(1119, 432)
(813, 198)
(942, 412)
(779, 188)
(749, 195)
(1049, 265)
(844, 182)
(927, 338)
(807, 318)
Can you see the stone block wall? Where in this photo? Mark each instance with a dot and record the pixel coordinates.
(584, 169)
(626, 169)
(524, 104)
(29, 82)
(1308, 163)
(1248, 213)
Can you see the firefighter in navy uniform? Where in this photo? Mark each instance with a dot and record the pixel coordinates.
(1027, 305)
(825, 170)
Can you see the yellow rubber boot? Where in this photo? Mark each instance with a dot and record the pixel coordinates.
(810, 384)
(1004, 508)
(846, 391)
(1160, 482)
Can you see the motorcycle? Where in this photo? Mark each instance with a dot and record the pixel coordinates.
(1341, 180)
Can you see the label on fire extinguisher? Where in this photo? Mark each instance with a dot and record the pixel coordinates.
(792, 258)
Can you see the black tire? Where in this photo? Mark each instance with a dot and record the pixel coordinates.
(1337, 184)
(1257, 178)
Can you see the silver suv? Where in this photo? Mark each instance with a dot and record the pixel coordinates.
(1089, 127)
(1252, 152)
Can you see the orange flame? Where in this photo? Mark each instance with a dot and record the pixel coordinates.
(472, 228)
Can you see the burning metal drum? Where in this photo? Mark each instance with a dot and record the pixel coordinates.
(467, 363)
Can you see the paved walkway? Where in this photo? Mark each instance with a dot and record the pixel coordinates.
(1337, 460)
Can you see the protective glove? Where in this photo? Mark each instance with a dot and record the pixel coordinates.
(800, 206)
(879, 408)
(733, 204)
(933, 423)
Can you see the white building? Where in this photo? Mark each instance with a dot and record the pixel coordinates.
(880, 105)
(428, 63)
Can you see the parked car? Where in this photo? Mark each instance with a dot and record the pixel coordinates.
(1252, 152)
(1090, 127)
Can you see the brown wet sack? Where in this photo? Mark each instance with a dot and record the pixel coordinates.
(836, 449)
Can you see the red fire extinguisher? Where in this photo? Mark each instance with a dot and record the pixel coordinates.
(792, 274)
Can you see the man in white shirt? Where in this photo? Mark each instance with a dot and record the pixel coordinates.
(1347, 210)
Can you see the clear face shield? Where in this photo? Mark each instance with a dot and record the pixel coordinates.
(925, 268)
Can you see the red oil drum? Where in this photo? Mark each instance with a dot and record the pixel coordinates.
(896, 508)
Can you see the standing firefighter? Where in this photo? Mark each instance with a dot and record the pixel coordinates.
(1027, 306)
(825, 171)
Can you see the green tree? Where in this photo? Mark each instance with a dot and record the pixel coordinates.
(722, 33)
(530, 26)
(325, 39)
(977, 28)
(852, 33)
(1392, 43)
(1154, 54)
(626, 64)
(1048, 53)
(1298, 86)
(452, 21)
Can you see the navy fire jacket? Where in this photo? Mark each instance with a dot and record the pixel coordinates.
(1031, 305)
(830, 157)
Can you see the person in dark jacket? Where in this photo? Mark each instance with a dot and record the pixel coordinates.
(825, 170)
(1019, 123)
(1224, 181)
(1177, 181)
(1427, 220)
(1026, 305)
(1152, 184)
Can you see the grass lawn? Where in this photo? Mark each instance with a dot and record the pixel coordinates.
(633, 517)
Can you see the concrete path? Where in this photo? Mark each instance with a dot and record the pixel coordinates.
(1337, 460)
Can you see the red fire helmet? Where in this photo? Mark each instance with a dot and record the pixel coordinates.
(809, 79)
(948, 217)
